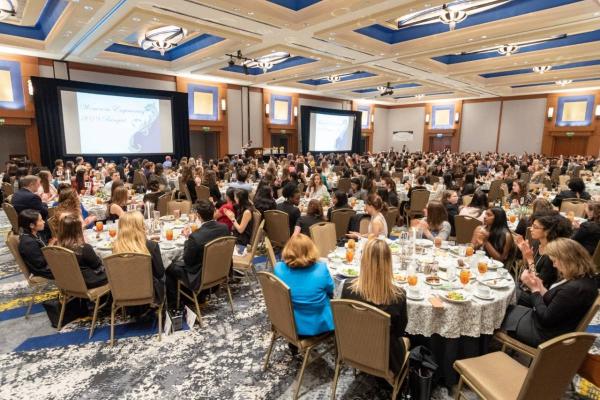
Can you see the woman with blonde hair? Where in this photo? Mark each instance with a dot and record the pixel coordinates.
(47, 191)
(375, 286)
(132, 239)
(69, 204)
(310, 283)
(558, 309)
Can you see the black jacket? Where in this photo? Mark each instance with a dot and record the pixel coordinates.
(193, 251)
(588, 236)
(23, 199)
(30, 249)
(569, 194)
(158, 271)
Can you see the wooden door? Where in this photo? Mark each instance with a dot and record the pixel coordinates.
(569, 146)
(440, 143)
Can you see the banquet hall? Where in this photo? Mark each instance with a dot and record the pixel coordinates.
(300, 199)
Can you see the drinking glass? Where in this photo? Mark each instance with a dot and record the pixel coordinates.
(99, 226)
(169, 234)
(349, 255)
(156, 215)
(482, 268)
(469, 251)
(112, 231)
(465, 276)
(437, 242)
(177, 213)
(411, 276)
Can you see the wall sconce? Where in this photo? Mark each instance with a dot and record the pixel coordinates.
(597, 113)
(223, 105)
(372, 117)
(267, 108)
(426, 118)
(456, 117)
(550, 112)
(295, 111)
(30, 87)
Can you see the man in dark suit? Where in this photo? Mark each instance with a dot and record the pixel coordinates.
(27, 199)
(290, 205)
(189, 271)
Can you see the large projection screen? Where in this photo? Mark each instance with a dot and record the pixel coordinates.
(330, 131)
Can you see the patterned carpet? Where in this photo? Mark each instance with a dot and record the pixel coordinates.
(221, 360)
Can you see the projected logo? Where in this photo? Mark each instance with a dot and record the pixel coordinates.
(146, 139)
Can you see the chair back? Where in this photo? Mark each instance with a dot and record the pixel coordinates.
(203, 193)
(391, 216)
(256, 225)
(301, 187)
(418, 200)
(578, 206)
(12, 241)
(341, 219)
(184, 206)
(596, 258)
(323, 234)
(270, 252)
(554, 176)
(130, 278)
(363, 227)
(138, 179)
(495, 192)
(256, 238)
(162, 202)
(362, 335)
(466, 199)
(545, 380)
(13, 217)
(576, 171)
(432, 179)
(562, 181)
(344, 185)
(53, 225)
(589, 316)
(184, 189)
(277, 227)
(525, 177)
(65, 268)
(216, 261)
(465, 226)
(279, 305)
(7, 189)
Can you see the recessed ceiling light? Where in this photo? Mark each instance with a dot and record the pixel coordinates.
(236, 9)
(136, 19)
(483, 36)
(155, 19)
(250, 12)
(88, 8)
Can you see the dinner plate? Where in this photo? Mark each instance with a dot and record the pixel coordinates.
(347, 273)
(416, 298)
(499, 283)
(104, 246)
(479, 296)
(439, 283)
(423, 242)
(167, 218)
(466, 297)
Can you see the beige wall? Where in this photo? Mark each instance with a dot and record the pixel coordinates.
(406, 119)
(479, 129)
(13, 142)
(522, 126)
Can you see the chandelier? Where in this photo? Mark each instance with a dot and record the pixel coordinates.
(8, 8)
(564, 82)
(419, 96)
(452, 17)
(333, 78)
(163, 38)
(264, 65)
(542, 69)
(508, 49)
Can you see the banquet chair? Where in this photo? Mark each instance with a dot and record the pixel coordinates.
(495, 194)
(341, 218)
(391, 216)
(525, 177)
(344, 185)
(183, 189)
(130, 280)
(323, 234)
(202, 192)
(596, 258)
(466, 200)
(138, 180)
(362, 335)
(301, 187)
(161, 204)
(216, 264)
(577, 206)
(510, 342)
(554, 176)
(465, 226)
(184, 206)
(13, 217)
(281, 313)
(256, 226)
(277, 227)
(498, 376)
(37, 284)
(418, 202)
(563, 180)
(69, 280)
(363, 227)
(7, 189)
(271, 259)
(53, 225)
(245, 263)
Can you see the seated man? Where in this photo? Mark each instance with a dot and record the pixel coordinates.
(241, 182)
(290, 205)
(27, 199)
(189, 271)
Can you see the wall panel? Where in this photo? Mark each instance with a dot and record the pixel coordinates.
(406, 119)
(522, 126)
(479, 129)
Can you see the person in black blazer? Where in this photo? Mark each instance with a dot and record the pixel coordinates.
(576, 191)
(558, 309)
(190, 269)
(27, 199)
(290, 205)
(588, 233)
(31, 244)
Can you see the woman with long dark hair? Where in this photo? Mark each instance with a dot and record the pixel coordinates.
(494, 237)
(241, 220)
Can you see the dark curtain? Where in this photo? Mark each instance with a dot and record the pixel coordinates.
(305, 112)
(48, 117)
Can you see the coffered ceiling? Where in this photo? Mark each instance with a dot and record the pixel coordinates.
(339, 48)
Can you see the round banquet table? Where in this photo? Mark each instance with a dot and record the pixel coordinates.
(454, 330)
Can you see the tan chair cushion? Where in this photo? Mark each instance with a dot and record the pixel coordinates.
(242, 262)
(495, 375)
(99, 291)
(503, 337)
(310, 341)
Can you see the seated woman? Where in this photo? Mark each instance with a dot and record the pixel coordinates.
(540, 206)
(310, 283)
(477, 207)
(558, 309)
(70, 236)
(377, 225)
(316, 188)
(588, 233)
(519, 196)
(82, 183)
(494, 236)
(154, 192)
(576, 191)
(263, 200)
(392, 195)
(435, 224)
(241, 218)
(69, 204)
(375, 286)
(117, 205)
(46, 191)
(314, 215)
(339, 201)
(450, 202)
(356, 190)
(31, 243)
(544, 230)
(132, 239)
(220, 215)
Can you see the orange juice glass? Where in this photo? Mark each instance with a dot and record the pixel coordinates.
(512, 218)
(99, 226)
(194, 227)
(112, 232)
(465, 276)
(99, 200)
(482, 267)
(349, 255)
(169, 234)
(412, 280)
(437, 242)
(469, 251)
